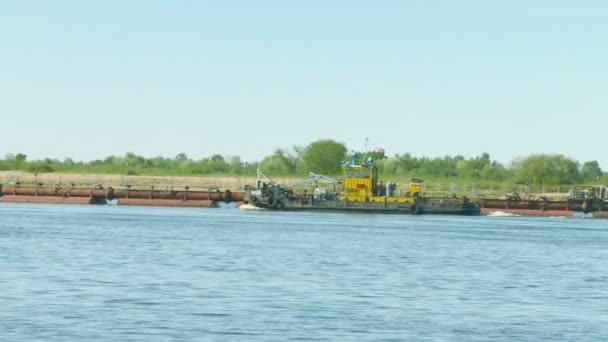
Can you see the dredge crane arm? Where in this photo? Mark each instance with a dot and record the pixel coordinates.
(313, 178)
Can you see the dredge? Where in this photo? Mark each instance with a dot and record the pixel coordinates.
(359, 190)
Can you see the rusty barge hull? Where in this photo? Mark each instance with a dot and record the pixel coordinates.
(528, 212)
(45, 199)
(531, 205)
(197, 199)
(542, 208)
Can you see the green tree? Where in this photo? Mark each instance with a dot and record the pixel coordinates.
(387, 166)
(444, 167)
(39, 167)
(237, 166)
(324, 156)
(182, 157)
(159, 162)
(466, 168)
(377, 155)
(280, 162)
(494, 171)
(547, 169)
(134, 160)
(20, 157)
(182, 162)
(19, 161)
(217, 164)
(406, 163)
(591, 171)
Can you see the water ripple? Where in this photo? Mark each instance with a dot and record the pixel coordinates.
(75, 273)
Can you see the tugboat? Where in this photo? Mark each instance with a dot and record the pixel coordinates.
(358, 191)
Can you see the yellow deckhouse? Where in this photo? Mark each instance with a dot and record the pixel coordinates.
(361, 185)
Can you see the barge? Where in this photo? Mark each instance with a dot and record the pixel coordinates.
(185, 197)
(590, 200)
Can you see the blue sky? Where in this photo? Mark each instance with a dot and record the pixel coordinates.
(86, 79)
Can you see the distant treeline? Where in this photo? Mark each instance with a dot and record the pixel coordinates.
(325, 157)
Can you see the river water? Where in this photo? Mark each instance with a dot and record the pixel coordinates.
(112, 273)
